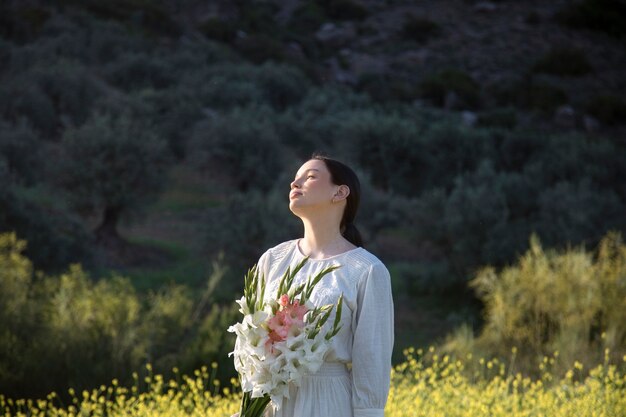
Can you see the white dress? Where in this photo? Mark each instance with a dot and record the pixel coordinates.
(365, 340)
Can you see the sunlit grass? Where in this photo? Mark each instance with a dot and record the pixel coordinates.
(425, 384)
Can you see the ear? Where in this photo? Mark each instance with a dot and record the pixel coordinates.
(343, 191)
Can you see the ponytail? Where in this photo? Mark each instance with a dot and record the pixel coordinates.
(341, 174)
(352, 234)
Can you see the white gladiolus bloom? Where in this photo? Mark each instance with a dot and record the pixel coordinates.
(278, 340)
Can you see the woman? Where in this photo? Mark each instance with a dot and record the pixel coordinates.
(354, 380)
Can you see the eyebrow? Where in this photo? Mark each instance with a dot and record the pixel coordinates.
(311, 169)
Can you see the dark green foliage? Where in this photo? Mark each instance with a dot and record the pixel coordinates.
(55, 237)
(529, 94)
(400, 153)
(112, 163)
(50, 97)
(532, 18)
(383, 88)
(567, 62)
(137, 71)
(436, 87)
(543, 96)
(578, 211)
(258, 17)
(21, 22)
(240, 148)
(307, 18)
(174, 112)
(505, 118)
(261, 48)
(228, 86)
(313, 124)
(344, 9)
(606, 16)
(387, 145)
(420, 29)
(608, 109)
(218, 29)
(153, 16)
(20, 148)
(282, 85)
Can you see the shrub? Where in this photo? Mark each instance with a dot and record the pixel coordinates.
(282, 85)
(420, 29)
(608, 109)
(504, 118)
(344, 9)
(313, 123)
(571, 302)
(228, 86)
(137, 71)
(568, 62)
(577, 211)
(544, 97)
(20, 149)
(606, 16)
(384, 88)
(258, 17)
(218, 29)
(174, 112)
(436, 86)
(70, 330)
(22, 23)
(386, 145)
(55, 237)
(258, 48)
(51, 97)
(307, 18)
(151, 15)
(241, 148)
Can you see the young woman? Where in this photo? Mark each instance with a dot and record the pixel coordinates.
(354, 379)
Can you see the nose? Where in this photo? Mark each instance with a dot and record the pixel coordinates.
(294, 184)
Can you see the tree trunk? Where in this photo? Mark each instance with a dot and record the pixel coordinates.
(106, 233)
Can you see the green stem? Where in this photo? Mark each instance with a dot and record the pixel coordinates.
(253, 407)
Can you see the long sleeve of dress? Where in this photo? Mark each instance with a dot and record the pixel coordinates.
(372, 343)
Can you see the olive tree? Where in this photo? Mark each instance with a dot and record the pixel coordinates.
(111, 165)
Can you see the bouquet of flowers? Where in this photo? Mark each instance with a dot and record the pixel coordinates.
(281, 339)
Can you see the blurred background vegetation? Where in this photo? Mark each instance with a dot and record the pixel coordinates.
(146, 149)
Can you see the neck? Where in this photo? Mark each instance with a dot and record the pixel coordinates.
(322, 237)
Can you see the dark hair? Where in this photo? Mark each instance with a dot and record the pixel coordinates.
(341, 174)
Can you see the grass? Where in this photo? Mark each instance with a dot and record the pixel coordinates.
(184, 267)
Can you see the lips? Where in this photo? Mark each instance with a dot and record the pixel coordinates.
(295, 194)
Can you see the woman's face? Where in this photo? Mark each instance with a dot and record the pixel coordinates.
(311, 187)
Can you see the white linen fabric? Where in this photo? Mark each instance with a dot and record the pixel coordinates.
(354, 379)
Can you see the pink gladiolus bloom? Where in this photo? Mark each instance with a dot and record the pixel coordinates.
(296, 311)
(288, 316)
(279, 326)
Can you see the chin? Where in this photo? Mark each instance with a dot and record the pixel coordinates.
(295, 208)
